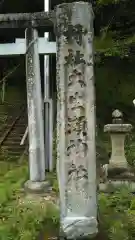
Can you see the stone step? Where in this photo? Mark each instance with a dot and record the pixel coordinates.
(12, 146)
(14, 134)
(15, 158)
(11, 159)
(15, 152)
(22, 125)
(14, 141)
(13, 138)
(15, 128)
(18, 129)
(12, 151)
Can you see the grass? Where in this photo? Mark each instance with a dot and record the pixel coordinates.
(22, 217)
(33, 217)
(117, 215)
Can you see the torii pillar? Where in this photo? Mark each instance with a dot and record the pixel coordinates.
(36, 182)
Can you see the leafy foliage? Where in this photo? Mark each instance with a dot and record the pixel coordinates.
(117, 215)
(107, 2)
(114, 27)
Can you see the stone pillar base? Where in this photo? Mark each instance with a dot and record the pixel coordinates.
(115, 177)
(84, 227)
(112, 185)
(36, 187)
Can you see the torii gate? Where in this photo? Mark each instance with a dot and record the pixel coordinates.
(46, 48)
(76, 127)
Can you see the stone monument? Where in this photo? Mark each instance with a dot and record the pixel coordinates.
(76, 152)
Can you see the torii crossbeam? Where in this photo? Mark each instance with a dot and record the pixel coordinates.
(25, 20)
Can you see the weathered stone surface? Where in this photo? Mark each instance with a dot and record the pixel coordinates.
(117, 114)
(118, 154)
(35, 116)
(76, 153)
(24, 20)
(113, 185)
(36, 187)
(119, 128)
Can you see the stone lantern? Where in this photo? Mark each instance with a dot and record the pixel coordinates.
(118, 171)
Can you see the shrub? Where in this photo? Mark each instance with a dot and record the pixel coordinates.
(117, 215)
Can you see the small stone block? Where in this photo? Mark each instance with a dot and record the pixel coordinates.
(36, 187)
(118, 128)
(117, 114)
